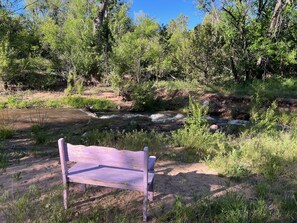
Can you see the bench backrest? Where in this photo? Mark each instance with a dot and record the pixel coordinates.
(103, 156)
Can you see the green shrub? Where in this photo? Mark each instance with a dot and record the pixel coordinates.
(53, 103)
(17, 101)
(143, 97)
(39, 134)
(263, 154)
(196, 135)
(6, 132)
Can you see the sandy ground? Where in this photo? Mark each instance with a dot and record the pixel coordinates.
(172, 180)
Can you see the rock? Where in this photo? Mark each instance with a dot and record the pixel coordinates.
(214, 128)
(205, 103)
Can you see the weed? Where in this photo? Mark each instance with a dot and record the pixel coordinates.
(17, 176)
(6, 126)
(231, 207)
(39, 134)
(261, 189)
(3, 159)
(6, 132)
(196, 136)
(2, 104)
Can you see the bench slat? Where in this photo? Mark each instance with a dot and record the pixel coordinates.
(105, 156)
(108, 176)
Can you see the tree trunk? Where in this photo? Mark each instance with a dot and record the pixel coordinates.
(233, 69)
(277, 16)
(98, 20)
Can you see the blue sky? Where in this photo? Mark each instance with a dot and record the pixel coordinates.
(165, 10)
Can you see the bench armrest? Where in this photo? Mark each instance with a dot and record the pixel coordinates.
(151, 163)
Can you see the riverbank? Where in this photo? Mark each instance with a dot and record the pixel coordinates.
(206, 164)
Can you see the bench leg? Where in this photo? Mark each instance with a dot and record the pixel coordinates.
(145, 201)
(65, 195)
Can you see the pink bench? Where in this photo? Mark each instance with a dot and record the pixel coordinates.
(108, 167)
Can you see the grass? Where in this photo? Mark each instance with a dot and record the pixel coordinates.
(46, 206)
(180, 85)
(135, 140)
(262, 155)
(231, 207)
(19, 102)
(4, 159)
(271, 88)
(6, 132)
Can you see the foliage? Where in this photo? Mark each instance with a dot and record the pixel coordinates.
(39, 134)
(74, 101)
(81, 102)
(134, 140)
(6, 132)
(196, 135)
(263, 154)
(4, 159)
(143, 96)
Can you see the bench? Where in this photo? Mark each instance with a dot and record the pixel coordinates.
(108, 167)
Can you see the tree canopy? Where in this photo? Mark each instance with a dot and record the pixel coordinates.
(82, 40)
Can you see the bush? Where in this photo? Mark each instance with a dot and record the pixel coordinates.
(143, 97)
(263, 154)
(196, 135)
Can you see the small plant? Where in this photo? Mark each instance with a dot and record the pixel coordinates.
(17, 176)
(3, 159)
(39, 134)
(196, 135)
(6, 126)
(261, 190)
(6, 132)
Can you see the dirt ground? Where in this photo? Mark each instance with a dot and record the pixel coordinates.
(172, 180)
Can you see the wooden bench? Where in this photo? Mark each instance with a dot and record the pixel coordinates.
(108, 167)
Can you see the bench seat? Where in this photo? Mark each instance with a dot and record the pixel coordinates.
(108, 176)
(107, 167)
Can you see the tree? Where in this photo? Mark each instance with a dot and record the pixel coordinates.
(137, 52)
(69, 36)
(179, 45)
(206, 55)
